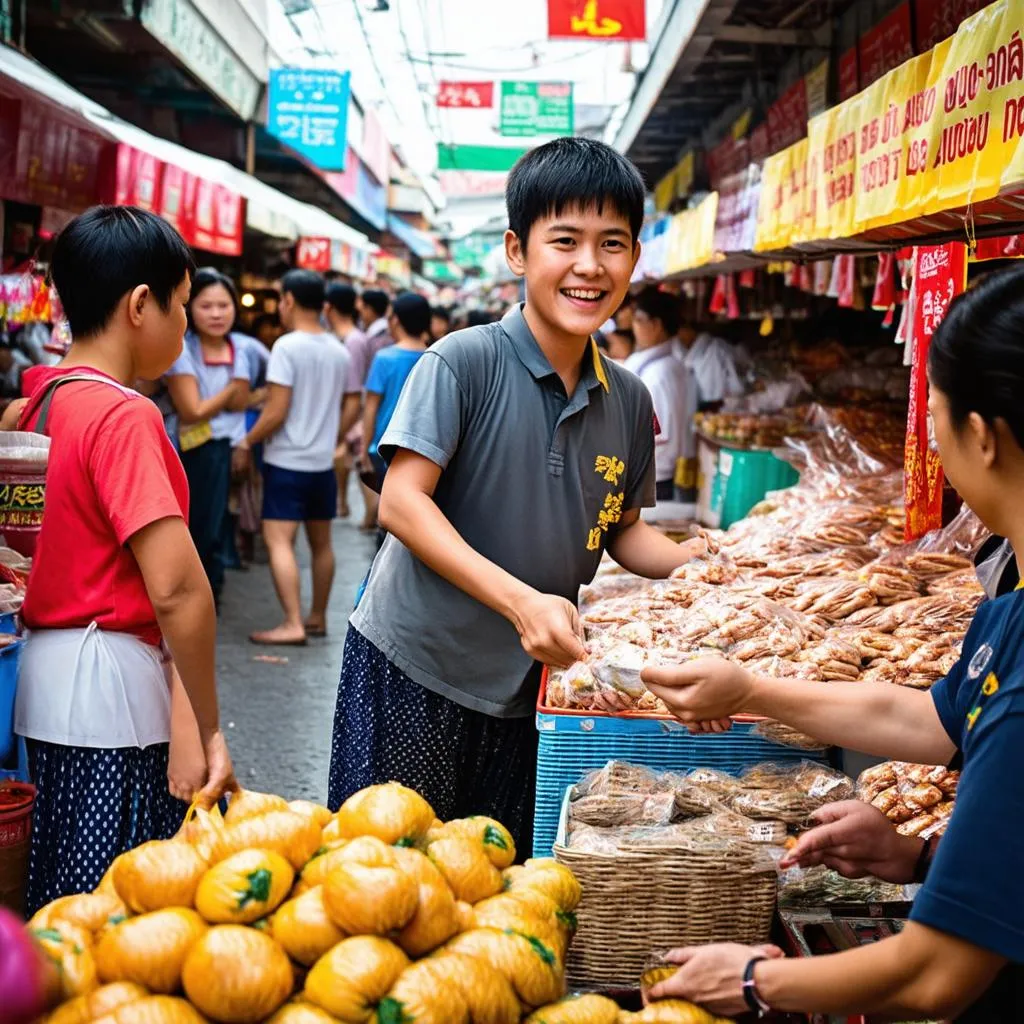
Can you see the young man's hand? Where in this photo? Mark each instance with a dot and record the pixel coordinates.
(699, 691)
(856, 840)
(550, 630)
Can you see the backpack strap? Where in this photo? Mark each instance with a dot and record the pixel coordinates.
(43, 406)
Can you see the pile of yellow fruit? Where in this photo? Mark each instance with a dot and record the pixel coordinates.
(283, 913)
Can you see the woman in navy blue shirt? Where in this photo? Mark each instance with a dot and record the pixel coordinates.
(960, 954)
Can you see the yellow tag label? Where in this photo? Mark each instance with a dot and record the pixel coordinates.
(194, 435)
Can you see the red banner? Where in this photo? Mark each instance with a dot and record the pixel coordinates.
(727, 158)
(935, 20)
(787, 117)
(886, 46)
(614, 20)
(313, 254)
(206, 214)
(467, 95)
(940, 274)
(849, 74)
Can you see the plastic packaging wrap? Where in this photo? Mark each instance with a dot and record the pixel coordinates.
(917, 799)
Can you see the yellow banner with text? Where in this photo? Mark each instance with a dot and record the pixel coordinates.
(691, 238)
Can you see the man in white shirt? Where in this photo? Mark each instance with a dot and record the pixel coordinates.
(373, 311)
(306, 378)
(655, 323)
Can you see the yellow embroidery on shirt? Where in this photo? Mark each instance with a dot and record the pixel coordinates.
(990, 685)
(972, 717)
(612, 511)
(610, 467)
(594, 539)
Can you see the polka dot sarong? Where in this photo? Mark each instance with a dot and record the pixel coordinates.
(93, 804)
(387, 727)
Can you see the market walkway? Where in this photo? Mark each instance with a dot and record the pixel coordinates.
(278, 717)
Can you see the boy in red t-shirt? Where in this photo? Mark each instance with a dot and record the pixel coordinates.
(117, 589)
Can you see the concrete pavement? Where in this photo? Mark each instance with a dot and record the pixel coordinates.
(278, 717)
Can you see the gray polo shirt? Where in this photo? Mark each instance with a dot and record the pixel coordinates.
(532, 479)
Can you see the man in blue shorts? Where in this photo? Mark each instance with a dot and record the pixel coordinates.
(306, 380)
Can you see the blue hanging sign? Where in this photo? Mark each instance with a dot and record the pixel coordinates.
(308, 111)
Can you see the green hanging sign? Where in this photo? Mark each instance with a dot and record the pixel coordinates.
(536, 108)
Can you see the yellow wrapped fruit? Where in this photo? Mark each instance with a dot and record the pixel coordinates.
(304, 928)
(69, 947)
(468, 872)
(149, 950)
(106, 886)
(317, 812)
(504, 912)
(90, 911)
(292, 835)
(546, 875)
(332, 830)
(368, 893)
(420, 996)
(434, 922)
(588, 1009)
(158, 874)
(352, 978)
(530, 966)
(237, 975)
(671, 1011)
(465, 915)
(490, 835)
(154, 1010)
(487, 992)
(322, 863)
(391, 812)
(245, 887)
(247, 803)
(302, 1013)
(98, 1003)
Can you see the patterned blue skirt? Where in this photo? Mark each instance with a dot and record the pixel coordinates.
(92, 805)
(387, 727)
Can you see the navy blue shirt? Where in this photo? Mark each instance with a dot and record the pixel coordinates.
(974, 889)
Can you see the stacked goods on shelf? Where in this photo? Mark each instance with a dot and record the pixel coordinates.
(751, 430)
(916, 798)
(815, 584)
(283, 912)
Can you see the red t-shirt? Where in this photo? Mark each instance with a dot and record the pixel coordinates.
(112, 471)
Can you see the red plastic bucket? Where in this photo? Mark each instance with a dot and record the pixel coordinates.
(17, 801)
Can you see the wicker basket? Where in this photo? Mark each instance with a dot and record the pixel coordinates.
(646, 900)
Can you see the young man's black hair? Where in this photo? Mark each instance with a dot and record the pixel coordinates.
(377, 300)
(479, 318)
(343, 298)
(442, 313)
(306, 286)
(659, 305)
(413, 313)
(105, 253)
(572, 172)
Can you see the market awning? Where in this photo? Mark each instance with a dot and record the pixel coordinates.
(419, 243)
(199, 194)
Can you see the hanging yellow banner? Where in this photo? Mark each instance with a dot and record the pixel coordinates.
(665, 191)
(784, 209)
(691, 236)
(974, 141)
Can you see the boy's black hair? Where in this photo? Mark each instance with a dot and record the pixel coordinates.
(342, 297)
(572, 172)
(106, 252)
(413, 312)
(377, 300)
(659, 305)
(479, 318)
(306, 287)
(206, 277)
(442, 313)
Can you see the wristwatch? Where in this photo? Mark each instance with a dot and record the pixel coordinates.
(750, 994)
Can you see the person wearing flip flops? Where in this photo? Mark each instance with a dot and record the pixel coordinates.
(306, 380)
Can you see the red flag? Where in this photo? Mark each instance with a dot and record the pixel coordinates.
(466, 95)
(614, 20)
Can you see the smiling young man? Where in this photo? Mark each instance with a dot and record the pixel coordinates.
(518, 455)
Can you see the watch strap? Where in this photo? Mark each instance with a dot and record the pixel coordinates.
(750, 994)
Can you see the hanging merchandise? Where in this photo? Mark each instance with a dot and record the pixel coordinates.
(940, 274)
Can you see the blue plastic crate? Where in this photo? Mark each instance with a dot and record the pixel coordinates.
(571, 745)
(9, 658)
